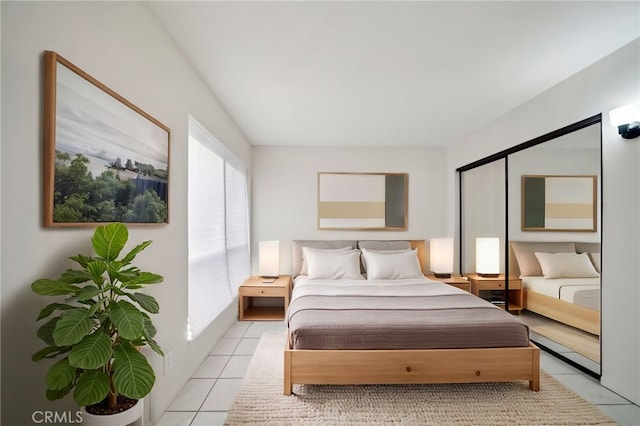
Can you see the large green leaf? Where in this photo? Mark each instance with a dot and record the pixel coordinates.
(48, 287)
(88, 292)
(72, 327)
(109, 240)
(51, 308)
(126, 275)
(155, 346)
(53, 394)
(74, 276)
(127, 319)
(97, 269)
(146, 302)
(149, 329)
(147, 278)
(45, 332)
(128, 258)
(92, 387)
(132, 374)
(60, 375)
(50, 352)
(82, 260)
(94, 308)
(92, 352)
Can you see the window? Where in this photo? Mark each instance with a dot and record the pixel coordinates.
(218, 227)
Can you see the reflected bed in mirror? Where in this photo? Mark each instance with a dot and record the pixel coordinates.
(561, 281)
(564, 326)
(362, 201)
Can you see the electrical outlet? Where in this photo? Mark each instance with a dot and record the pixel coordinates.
(168, 361)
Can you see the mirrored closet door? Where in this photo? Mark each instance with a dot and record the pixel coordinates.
(543, 200)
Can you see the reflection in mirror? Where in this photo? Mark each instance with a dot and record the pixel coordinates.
(565, 321)
(562, 303)
(483, 196)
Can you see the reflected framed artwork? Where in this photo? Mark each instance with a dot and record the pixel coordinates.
(106, 160)
(362, 201)
(559, 203)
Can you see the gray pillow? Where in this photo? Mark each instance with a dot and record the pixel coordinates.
(384, 245)
(587, 247)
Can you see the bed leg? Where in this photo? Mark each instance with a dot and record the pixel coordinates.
(288, 386)
(534, 384)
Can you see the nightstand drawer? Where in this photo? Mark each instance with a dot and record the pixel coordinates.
(498, 285)
(263, 291)
(489, 285)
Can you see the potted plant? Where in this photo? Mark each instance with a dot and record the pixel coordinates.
(99, 327)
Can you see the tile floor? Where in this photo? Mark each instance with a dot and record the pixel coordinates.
(209, 394)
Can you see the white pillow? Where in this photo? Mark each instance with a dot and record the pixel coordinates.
(392, 265)
(566, 265)
(595, 259)
(333, 266)
(379, 251)
(305, 250)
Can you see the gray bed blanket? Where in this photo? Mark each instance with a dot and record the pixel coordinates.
(397, 314)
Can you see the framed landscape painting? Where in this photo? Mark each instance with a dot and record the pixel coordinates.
(106, 160)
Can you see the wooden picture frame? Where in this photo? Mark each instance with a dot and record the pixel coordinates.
(362, 201)
(559, 203)
(105, 159)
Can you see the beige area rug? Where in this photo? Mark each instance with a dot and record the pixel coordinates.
(261, 400)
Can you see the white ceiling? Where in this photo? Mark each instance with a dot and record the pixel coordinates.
(387, 73)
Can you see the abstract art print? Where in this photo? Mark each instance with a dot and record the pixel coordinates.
(559, 203)
(106, 160)
(362, 200)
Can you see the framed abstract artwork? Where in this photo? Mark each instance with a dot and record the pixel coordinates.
(559, 203)
(372, 201)
(105, 159)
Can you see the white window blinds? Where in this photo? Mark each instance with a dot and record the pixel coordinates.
(218, 228)
(238, 263)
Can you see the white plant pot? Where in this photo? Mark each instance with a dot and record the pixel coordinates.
(125, 418)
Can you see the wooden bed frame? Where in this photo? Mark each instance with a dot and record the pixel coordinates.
(574, 315)
(567, 313)
(411, 366)
(342, 367)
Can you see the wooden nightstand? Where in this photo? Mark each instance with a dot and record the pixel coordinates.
(257, 287)
(479, 284)
(455, 280)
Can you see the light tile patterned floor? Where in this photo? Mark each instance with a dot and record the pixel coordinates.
(208, 396)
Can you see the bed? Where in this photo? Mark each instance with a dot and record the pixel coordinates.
(561, 282)
(394, 329)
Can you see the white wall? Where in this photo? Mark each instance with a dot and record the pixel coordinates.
(607, 84)
(284, 192)
(120, 44)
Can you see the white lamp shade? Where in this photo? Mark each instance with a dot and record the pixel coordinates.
(441, 255)
(269, 258)
(624, 115)
(488, 255)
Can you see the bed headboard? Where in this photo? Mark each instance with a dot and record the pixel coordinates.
(522, 259)
(296, 249)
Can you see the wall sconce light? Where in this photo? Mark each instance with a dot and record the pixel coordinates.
(627, 120)
(441, 257)
(269, 259)
(488, 257)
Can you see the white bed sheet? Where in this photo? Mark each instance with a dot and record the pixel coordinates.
(400, 287)
(560, 288)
